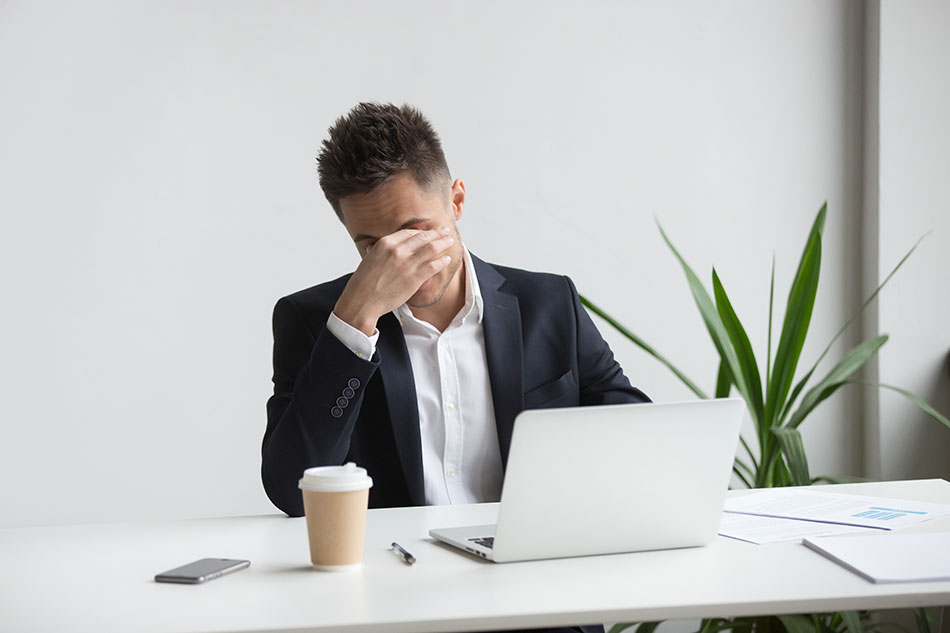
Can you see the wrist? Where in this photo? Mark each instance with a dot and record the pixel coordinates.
(362, 320)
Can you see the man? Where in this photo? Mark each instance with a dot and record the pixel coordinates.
(416, 364)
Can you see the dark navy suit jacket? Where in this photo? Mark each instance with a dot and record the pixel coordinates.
(330, 407)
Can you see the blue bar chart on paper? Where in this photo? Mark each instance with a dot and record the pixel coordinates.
(886, 514)
(835, 508)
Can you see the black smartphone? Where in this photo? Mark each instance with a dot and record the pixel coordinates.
(202, 570)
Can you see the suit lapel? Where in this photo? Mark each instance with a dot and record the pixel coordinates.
(396, 372)
(504, 350)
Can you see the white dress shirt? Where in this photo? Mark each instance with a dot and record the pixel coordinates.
(461, 460)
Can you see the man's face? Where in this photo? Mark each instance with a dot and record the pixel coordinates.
(401, 204)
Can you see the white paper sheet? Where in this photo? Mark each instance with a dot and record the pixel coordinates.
(890, 557)
(828, 507)
(764, 530)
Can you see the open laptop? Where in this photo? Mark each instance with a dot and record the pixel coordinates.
(610, 479)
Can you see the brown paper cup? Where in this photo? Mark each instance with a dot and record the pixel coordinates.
(336, 527)
(335, 499)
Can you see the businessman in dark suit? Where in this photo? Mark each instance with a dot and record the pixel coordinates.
(416, 364)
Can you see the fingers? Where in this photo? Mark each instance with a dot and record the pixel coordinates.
(428, 244)
(437, 265)
(430, 249)
(406, 236)
(416, 246)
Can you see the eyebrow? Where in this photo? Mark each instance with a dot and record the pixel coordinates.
(405, 225)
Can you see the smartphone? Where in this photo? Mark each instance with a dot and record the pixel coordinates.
(202, 570)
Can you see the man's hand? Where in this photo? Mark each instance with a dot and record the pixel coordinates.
(391, 272)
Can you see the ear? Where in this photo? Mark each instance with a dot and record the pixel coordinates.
(457, 197)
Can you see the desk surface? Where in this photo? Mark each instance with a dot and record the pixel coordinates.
(99, 578)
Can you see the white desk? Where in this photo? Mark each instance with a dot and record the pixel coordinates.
(99, 578)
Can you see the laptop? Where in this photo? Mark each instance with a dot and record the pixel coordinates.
(609, 479)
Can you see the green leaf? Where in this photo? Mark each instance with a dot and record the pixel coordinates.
(797, 624)
(644, 346)
(742, 466)
(745, 358)
(923, 622)
(738, 472)
(642, 627)
(768, 346)
(711, 318)
(773, 473)
(920, 402)
(797, 390)
(880, 624)
(838, 479)
(721, 624)
(748, 450)
(852, 621)
(798, 310)
(791, 442)
(854, 360)
(844, 327)
(723, 383)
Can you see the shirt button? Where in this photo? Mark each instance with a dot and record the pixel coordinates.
(450, 406)
(360, 355)
(452, 472)
(353, 383)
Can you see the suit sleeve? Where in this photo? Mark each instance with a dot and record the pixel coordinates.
(318, 391)
(601, 378)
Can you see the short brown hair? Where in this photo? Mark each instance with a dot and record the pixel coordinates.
(374, 142)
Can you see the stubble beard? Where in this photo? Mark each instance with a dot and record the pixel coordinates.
(455, 268)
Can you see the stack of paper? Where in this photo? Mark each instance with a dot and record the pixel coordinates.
(890, 557)
(854, 531)
(763, 530)
(772, 515)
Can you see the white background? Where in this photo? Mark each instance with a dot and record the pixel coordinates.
(914, 198)
(158, 194)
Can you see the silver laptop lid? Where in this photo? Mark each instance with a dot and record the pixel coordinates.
(616, 478)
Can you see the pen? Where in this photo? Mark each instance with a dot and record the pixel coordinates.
(408, 558)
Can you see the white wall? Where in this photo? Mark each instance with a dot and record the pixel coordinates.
(914, 181)
(159, 194)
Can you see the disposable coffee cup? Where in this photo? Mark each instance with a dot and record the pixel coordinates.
(335, 499)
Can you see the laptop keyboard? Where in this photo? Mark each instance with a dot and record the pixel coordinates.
(485, 541)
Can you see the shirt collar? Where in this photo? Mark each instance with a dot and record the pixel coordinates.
(472, 290)
(473, 294)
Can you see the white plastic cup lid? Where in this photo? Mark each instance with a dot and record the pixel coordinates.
(345, 478)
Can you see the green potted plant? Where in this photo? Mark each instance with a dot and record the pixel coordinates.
(777, 405)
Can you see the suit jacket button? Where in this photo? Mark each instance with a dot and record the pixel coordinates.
(348, 393)
(342, 402)
(336, 412)
(353, 383)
